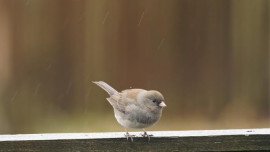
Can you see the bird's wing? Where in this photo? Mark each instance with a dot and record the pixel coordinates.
(121, 101)
(115, 101)
(131, 95)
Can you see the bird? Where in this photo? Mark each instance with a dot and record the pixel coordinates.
(135, 108)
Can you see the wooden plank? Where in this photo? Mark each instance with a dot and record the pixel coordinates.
(199, 141)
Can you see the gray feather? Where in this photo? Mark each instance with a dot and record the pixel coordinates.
(111, 91)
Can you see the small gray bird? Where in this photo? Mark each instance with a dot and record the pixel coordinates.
(135, 108)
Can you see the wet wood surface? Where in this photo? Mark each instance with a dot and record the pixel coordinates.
(189, 141)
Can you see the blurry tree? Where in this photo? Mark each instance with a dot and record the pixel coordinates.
(5, 62)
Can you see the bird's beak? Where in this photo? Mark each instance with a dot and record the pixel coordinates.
(162, 104)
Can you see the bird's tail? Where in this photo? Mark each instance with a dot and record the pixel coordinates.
(106, 87)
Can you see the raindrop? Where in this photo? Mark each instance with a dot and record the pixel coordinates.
(49, 67)
(36, 90)
(27, 2)
(139, 23)
(14, 96)
(161, 43)
(69, 87)
(105, 18)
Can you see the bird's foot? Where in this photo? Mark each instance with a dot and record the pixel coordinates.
(147, 135)
(127, 135)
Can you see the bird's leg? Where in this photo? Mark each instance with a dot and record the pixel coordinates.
(128, 135)
(146, 135)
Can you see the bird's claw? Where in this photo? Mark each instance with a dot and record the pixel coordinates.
(147, 135)
(127, 135)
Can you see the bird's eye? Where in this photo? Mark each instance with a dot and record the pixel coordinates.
(154, 101)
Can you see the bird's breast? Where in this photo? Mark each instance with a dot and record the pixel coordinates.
(136, 119)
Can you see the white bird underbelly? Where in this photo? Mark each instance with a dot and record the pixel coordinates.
(132, 124)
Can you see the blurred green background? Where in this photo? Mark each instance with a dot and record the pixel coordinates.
(210, 59)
